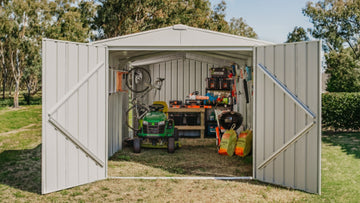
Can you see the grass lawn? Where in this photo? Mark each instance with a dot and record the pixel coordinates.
(20, 172)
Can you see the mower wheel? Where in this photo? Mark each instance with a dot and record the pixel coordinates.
(171, 145)
(137, 145)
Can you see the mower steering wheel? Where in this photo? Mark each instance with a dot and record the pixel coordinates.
(156, 107)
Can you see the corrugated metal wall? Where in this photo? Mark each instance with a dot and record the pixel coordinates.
(117, 107)
(183, 77)
(83, 114)
(278, 118)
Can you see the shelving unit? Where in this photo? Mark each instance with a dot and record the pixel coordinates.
(217, 91)
(200, 127)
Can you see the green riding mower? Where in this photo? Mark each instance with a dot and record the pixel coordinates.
(156, 131)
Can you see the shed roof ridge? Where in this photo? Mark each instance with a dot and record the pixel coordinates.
(177, 26)
(131, 35)
(229, 35)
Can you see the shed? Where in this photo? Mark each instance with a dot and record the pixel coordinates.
(83, 119)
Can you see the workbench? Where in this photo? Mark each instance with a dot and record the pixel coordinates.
(200, 127)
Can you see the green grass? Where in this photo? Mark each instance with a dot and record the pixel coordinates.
(20, 172)
(340, 164)
(12, 119)
(20, 149)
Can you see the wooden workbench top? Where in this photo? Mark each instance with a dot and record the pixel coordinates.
(201, 110)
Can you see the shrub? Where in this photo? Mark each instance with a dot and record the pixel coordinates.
(341, 110)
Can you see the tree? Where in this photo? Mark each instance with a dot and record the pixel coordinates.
(121, 17)
(4, 30)
(4, 68)
(337, 23)
(239, 27)
(22, 16)
(23, 23)
(66, 20)
(218, 18)
(297, 35)
(344, 71)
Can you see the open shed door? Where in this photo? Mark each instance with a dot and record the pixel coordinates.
(288, 115)
(74, 114)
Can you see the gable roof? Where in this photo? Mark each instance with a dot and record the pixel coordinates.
(183, 36)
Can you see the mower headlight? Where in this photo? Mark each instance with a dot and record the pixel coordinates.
(145, 123)
(162, 123)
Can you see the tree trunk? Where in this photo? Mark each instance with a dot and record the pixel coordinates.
(4, 86)
(10, 87)
(27, 98)
(5, 70)
(16, 93)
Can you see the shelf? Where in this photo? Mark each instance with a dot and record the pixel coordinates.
(190, 110)
(220, 105)
(190, 127)
(200, 127)
(224, 90)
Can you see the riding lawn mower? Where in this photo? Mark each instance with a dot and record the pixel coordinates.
(156, 131)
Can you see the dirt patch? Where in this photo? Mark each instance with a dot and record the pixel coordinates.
(192, 159)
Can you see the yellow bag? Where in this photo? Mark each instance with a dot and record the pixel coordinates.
(243, 144)
(228, 142)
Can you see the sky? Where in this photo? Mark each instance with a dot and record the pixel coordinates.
(272, 20)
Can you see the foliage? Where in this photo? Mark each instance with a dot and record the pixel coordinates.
(344, 72)
(34, 100)
(337, 22)
(341, 110)
(143, 15)
(23, 23)
(297, 35)
(239, 27)
(21, 39)
(67, 20)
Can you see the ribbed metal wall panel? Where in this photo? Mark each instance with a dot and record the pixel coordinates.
(185, 76)
(182, 77)
(278, 118)
(117, 103)
(83, 115)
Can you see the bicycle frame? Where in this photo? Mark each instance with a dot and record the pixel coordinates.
(138, 107)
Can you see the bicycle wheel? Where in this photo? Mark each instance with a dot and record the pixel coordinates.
(138, 80)
(133, 116)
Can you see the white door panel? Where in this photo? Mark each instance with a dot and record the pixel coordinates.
(288, 115)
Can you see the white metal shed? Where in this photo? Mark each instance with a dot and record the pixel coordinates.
(83, 124)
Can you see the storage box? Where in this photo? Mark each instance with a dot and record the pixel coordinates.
(175, 103)
(225, 83)
(212, 83)
(220, 72)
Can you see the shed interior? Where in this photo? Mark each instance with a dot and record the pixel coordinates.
(184, 73)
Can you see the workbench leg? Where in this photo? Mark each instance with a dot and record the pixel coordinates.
(202, 123)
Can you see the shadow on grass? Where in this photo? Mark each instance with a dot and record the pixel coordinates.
(349, 142)
(188, 160)
(21, 169)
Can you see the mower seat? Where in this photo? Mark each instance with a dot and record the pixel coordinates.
(165, 109)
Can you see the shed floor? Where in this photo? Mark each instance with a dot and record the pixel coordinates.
(195, 158)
